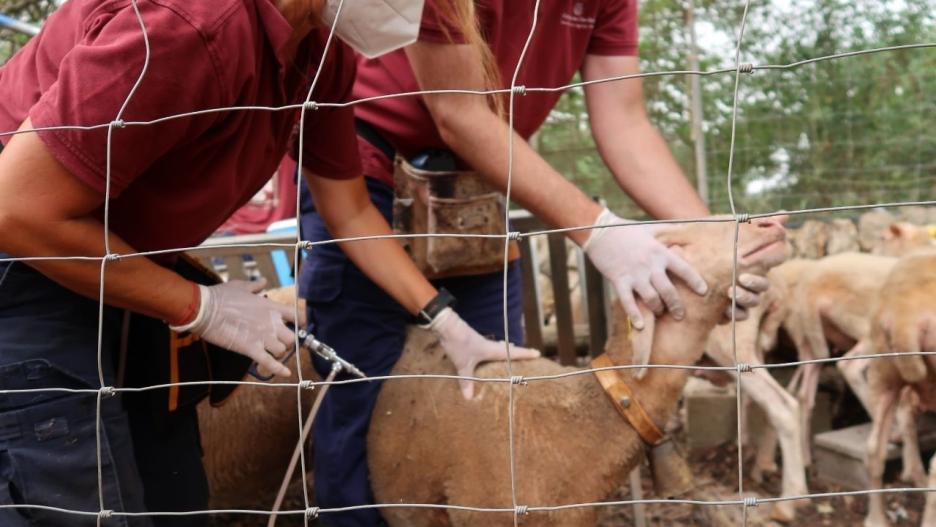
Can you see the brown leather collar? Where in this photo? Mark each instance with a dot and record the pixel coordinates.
(625, 402)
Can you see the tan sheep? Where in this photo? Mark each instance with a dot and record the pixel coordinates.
(428, 445)
(753, 337)
(829, 304)
(810, 240)
(239, 473)
(904, 322)
(871, 227)
(843, 237)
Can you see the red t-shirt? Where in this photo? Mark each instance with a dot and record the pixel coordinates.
(175, 182)
(566, 31)
(275, 201)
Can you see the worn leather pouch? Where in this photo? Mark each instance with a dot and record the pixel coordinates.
(452, 202)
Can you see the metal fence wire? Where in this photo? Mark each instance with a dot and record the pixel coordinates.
(739, 70)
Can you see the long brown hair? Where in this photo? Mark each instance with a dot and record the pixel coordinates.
(461, 16)
(455, 17)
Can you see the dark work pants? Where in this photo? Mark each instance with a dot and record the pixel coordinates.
(367, 327)
(48, 446)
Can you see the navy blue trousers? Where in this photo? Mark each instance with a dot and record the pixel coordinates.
(48, 448)
(367, 327)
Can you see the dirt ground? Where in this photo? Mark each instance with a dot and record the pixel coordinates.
(716, 470)
(717, 476)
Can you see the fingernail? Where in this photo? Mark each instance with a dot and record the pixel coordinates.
(702, 288)
(678, 314)
(638, 323)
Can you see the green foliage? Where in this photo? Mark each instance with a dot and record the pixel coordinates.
(32, 11)
(846, 131)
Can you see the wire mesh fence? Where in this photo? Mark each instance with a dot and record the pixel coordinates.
(762, 174)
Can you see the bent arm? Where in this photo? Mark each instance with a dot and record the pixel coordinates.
(51, 213)
(478, 136)
(630, 145)
(348, 212)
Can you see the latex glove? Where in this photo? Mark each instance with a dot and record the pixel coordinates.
(231, 315)
(636, 262)
(466, 348)
(748, 289)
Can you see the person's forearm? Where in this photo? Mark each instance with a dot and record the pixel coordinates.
(644, 167)
(384, 261)
(480, 139)
(348, 212)
(134, 283)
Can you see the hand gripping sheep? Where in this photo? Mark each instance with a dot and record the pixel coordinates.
(428, 445)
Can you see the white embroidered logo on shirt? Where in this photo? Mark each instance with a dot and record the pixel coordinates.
(575, 19)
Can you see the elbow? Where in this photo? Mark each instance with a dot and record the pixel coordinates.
(448, 124)
(27, 235)
(456, 116)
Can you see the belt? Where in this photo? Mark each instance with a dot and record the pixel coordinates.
(370, 134)
(430, 159)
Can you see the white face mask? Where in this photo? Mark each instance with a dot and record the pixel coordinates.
(375, 27)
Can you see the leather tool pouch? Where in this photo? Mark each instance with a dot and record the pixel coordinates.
(451, 202)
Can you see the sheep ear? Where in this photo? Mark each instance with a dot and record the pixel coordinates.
(642, 342)
(895, 230)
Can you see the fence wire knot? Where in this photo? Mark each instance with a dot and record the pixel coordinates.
(108, 391)
(518, 379)
(307, 245)
(750, 501)
(311, 105)
(746, 68)
(307, 385)
(312, 513)
(744, 368)
(514, 235)
(112, 257)
(105, 514)
(744, 217)
(521, 510)
(518, 90)
(118, 123)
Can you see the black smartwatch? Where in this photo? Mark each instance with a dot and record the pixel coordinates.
(435, 306)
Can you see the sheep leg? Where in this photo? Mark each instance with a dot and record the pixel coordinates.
(882, 420)
(913, 470)
(766, 454)
(854, 372)
(929, 512)
(746, 402)
(807, 399)
(783, 413)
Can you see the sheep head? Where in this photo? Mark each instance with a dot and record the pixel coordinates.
(903, 238)
(709, 248)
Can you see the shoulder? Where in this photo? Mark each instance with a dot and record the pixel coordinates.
(208, 18)
(227, 31)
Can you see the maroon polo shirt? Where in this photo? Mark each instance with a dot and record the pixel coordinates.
(174, 183)
(566, 31)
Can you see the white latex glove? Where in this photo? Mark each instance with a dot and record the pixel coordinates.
(636, 262)
(231, 315)
(748, 289)
(466, 348)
